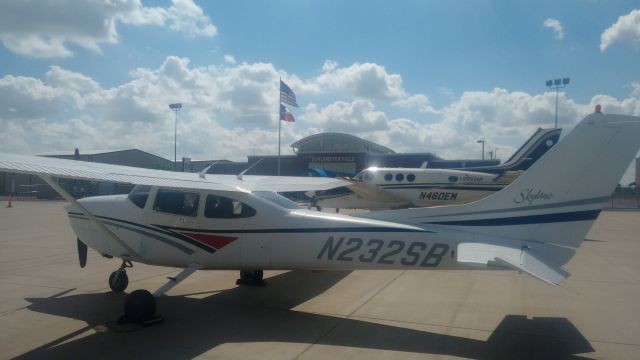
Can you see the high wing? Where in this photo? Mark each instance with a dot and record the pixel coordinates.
(82, 170)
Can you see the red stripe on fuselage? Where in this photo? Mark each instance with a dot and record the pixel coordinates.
(215, 241)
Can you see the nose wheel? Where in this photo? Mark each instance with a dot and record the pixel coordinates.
(118, 280)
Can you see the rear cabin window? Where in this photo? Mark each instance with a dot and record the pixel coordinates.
(139, 195)
(177, 202)
(220, 207)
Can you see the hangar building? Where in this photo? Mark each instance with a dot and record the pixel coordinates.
(331, 153)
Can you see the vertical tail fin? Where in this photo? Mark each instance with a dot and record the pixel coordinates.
(532, 150)
(554, 202)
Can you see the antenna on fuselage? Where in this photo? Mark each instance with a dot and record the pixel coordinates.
(247, 169)
(204, 171)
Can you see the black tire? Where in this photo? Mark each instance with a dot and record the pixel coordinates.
(246, 275)
(257, 275)
(118, 280)
(254, 276)
(139, 306)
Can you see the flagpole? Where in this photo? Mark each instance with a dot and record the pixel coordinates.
(279, 124)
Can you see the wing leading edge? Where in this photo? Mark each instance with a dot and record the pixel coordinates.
(82, 170)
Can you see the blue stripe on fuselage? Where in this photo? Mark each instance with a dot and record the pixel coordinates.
(521, 220)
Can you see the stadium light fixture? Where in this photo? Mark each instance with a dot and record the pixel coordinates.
(482, 142)
(557, 84)
(175, 107)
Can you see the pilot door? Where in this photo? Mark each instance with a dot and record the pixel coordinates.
(174, 209)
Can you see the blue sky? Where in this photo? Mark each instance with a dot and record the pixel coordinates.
(412, 75)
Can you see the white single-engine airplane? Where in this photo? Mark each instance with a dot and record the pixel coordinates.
(196, 222)
(378, 188)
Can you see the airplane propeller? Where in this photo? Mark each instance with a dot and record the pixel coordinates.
(82, 253)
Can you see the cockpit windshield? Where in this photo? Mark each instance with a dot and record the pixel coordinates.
(139, 195)
(365, 175)
(279, 200)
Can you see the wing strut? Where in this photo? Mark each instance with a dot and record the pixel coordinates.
(54, 184)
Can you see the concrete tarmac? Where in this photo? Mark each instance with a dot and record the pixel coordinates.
(50, 308)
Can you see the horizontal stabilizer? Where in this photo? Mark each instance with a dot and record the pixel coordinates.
(521, 259)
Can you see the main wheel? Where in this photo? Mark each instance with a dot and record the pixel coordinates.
(246, 275)
(257, 275)
(254, 276)
(139, 306)
(118, 280)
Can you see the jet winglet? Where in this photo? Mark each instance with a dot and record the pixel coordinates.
(518, 259)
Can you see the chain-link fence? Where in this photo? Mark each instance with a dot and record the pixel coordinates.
(624, 198)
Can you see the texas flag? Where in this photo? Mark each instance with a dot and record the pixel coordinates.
(285, 115)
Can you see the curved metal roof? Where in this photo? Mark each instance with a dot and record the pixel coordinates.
(334, 142)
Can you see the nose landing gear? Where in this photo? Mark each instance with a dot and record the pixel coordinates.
(140, 305)
(118, 280)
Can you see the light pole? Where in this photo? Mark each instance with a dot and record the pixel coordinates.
(175, 107)
(557, 84)
(482, 142)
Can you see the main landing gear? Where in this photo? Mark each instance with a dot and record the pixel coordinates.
(140, 305)
(251, 277)
(118, 280)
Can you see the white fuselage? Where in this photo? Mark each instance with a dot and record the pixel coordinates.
(415, 187)
(274, 238)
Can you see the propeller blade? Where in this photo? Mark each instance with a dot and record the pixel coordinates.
(82, 253)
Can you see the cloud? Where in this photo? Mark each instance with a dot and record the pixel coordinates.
(360, 81)
(229, 59)
(417, 101)
(45, 29)
(556, 26)
(350, 117)
(366, 81)
(29, 98)
(627, 28)
(229, 110)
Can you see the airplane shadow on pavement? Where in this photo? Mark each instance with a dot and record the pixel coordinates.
(247, 314)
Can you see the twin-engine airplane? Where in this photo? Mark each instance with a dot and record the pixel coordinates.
(378, 188)
(207, 222)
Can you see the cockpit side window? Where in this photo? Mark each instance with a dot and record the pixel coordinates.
(220, 207)
(139, 195)
(177, 202)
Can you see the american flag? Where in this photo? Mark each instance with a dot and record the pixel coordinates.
(285, 115)
(287, 95)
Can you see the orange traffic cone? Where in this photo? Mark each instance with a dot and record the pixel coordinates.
(9, 206)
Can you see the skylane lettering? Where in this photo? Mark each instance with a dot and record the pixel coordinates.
(438, 195)
(382, 252)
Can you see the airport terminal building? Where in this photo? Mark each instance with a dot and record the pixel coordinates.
(324, 154)
(339, 154)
